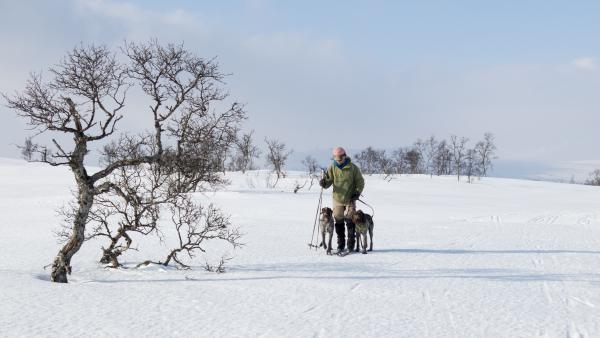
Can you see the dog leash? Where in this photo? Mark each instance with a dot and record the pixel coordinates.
(372, 210)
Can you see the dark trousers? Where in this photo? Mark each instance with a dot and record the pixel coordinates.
(341, 235)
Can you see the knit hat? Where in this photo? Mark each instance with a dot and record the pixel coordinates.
(338, 152)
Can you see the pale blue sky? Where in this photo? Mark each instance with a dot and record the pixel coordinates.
(357, 73)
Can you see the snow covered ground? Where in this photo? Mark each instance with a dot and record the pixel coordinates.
(496, 258)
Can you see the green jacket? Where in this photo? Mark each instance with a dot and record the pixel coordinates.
(346, 180)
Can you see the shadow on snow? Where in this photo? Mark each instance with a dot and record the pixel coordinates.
(369, 270)
(483, 252)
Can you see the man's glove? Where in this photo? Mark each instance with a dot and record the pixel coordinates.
(355, 196)
(322, 182)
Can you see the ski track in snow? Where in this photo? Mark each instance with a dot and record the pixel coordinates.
(496, 258)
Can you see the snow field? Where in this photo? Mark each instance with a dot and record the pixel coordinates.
(495, 258)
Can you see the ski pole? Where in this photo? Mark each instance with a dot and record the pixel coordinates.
(316, 220)
(317, 214)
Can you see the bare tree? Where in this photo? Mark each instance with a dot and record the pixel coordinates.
(311, 165)
(220, 162)
(443, 159)
(277, 156)
(399, 161)
(471, 162)
(420, 147)
(413, 159)
(430, 152)
(594, 178)
(486, 151)
(458, 153)
(28, 149)
(85, 99)
(245, 153)
(386, 165)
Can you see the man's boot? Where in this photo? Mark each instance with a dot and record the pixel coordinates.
(351, 236)
(341, 236)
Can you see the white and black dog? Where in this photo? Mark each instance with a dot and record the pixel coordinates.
(326, 227)
(363, 223)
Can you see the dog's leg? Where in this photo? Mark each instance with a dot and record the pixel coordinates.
(359, 243)
(364, 242)
(330, 235)
(321, 232)
(371, 235)
(323, 244)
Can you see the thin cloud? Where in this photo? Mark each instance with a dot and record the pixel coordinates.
(117, 10)
(133, 14)
(294, 44)
(586, 63)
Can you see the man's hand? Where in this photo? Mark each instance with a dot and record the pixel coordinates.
(355, 196)
(322, 182)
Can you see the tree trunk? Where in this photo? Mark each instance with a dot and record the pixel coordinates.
(85, 198)
(62, 263)
(111, 254)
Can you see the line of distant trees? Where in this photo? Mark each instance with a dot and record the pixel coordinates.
(429, 156)
(432, 157)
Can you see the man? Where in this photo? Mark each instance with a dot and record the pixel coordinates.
(348, 184)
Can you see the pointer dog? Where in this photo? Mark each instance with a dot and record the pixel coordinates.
(363, 224)
(326, 227)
